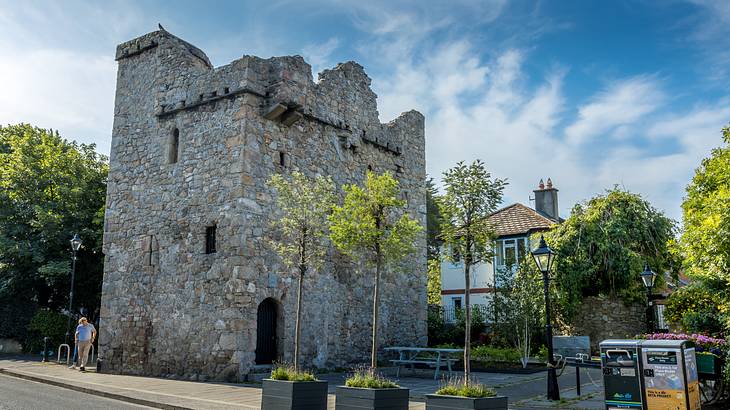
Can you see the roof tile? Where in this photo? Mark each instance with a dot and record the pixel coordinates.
(517, 219)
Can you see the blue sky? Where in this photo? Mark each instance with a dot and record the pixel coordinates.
(589, 93)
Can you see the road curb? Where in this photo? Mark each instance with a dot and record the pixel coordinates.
(109, 395)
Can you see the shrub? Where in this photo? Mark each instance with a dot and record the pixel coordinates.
(15, 315)
(696, 308)
(456, 386)
(478, 321)
(495, 354)
(369, 379)
(285, 372)
(44, 323)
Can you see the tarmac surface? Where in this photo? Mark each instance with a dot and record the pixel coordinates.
(19, 394)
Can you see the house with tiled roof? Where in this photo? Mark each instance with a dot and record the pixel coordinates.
(513, 224)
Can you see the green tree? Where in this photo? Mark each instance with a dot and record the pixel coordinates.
(305, 204)
(706, 211)
(372, 224)
(433, 287)
(471, 196)
(50, 188)
(521, 312)
(603, 246)
(433, 220)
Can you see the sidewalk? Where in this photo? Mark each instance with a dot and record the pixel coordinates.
(525, 392)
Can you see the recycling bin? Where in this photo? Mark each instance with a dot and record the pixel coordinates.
(670, 377)
(621, 364)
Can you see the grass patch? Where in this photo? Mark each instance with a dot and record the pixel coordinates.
(457, 387)
(369, 379)
(281, 372)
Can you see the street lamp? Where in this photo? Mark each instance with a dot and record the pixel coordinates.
(544, 258)
(648, 276)
(75, 245)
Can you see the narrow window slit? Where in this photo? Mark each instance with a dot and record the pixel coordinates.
(210, 239)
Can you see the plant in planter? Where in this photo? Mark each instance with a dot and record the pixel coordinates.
(289, 389)
(457, 393)
(301, 241)
(471, 196)
(366, 389)
(373, 224)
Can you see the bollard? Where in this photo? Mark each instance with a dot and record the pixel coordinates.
(99, 365)
(45, 350)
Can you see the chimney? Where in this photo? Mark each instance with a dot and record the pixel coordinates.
(546, 200)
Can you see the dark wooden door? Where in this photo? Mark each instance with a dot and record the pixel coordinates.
(266, 332)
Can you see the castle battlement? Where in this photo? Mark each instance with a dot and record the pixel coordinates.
(284, 84)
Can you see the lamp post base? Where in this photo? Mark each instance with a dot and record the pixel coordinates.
(553, 391)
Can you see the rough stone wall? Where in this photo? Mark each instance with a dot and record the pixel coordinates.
(603, 318)
(170, 309)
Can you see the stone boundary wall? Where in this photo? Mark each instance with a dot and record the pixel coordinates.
(601, 318)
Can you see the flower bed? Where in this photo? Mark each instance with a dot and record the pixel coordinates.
(711, 351)
(702, 343)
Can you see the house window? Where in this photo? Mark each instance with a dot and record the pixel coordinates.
(509, 253)
(282, 159)
(456, 302)
(174, 149)
(210, 239)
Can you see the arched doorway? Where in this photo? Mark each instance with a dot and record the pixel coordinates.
(266, 332)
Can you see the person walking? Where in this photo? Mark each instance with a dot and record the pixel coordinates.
(84, 338)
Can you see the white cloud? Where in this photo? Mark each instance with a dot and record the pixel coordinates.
(623, 103)
(318, 55)
(61, 89)
(57, 68)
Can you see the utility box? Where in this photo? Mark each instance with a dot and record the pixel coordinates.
(670, 375)
(621, 363)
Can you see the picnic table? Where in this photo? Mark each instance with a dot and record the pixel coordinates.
(433, 357)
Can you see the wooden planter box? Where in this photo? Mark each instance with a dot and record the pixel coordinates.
(709, 364)
(355, 398)
(440, 402)
(288, 395)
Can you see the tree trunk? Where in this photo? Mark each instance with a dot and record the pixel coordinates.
(297, 326)
(467, 323)
(376, 303)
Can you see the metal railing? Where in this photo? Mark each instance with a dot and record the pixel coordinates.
(450, 314)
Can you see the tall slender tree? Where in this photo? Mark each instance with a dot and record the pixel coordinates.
(305, 204)
(471, 195)
(372, 224)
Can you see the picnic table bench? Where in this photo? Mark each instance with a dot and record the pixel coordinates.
(433, 357)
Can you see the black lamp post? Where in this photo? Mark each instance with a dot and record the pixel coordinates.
(544, 257)
(75, 245)
(648, 276)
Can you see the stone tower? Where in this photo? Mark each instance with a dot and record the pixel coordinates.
(191, 287)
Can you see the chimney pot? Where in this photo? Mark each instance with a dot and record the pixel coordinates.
(546, 200)
(541, 185)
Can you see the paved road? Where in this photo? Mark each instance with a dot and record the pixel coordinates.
(19, 394)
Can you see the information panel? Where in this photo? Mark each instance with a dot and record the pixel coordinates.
(664, 379)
